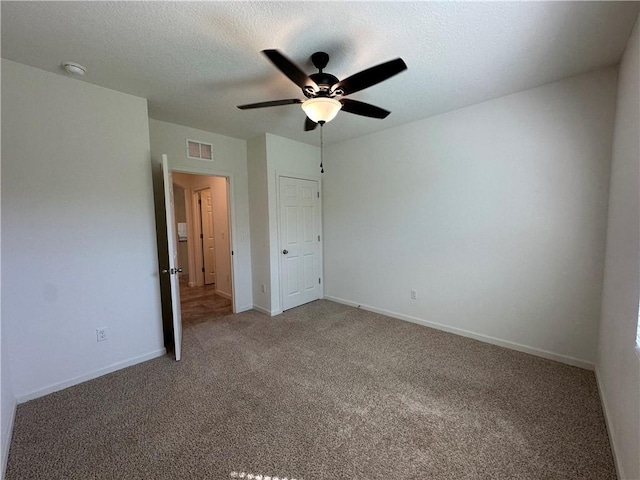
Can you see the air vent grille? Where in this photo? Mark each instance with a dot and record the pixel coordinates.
(199, 150)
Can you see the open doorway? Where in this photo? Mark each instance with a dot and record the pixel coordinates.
(201, 204)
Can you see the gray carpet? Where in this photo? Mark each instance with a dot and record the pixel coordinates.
(323, 391)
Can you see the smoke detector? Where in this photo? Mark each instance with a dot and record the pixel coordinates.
(74, 68)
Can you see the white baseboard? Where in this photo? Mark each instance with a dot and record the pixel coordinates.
(266, 311)
(6, 437)
(576, 362)
(262, 310)
(223, 294)
(609, 424)
(90, 376)
(244, 308)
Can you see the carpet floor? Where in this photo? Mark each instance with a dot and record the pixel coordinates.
(323, 391)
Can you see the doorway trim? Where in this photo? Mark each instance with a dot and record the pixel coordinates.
(313, 178)
(187, 213)
(231, 202)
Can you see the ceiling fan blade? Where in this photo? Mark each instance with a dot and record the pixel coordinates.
(370, 76)
(290, 69)
(364, 109)
(273, 103)
(309, 124)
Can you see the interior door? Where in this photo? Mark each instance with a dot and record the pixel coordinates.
(299, 241)
(173, 257)
(208, 239)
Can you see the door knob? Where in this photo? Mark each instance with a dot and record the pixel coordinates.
(285, 251)
(172, 271)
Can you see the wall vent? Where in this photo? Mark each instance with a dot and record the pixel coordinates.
(199, 150)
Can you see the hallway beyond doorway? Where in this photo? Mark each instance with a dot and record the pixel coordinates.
(201, 304)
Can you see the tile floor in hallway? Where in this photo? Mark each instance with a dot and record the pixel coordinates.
(201, 304)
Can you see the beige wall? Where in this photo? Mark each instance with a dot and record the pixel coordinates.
(219, 196)
(221, 232)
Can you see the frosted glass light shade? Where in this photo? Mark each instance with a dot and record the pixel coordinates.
(321, 109)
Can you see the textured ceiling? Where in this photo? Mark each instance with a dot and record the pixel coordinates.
(195, 61)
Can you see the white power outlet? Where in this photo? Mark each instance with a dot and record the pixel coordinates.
(264, 288)
(101, 334)
(414, 295)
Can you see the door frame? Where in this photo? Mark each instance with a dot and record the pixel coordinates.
(231, 215)
(187, 211)
(313, 178)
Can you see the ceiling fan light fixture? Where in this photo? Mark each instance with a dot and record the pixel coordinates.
(321, 109)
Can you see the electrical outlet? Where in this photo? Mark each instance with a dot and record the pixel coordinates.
(101, 334)
(414, 295)
(264, 288)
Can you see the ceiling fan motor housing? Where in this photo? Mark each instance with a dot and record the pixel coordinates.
(320, 60)
(325, 81)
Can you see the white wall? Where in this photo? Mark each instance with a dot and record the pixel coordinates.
(7, 398)
(271, 156)
(230, 159)
(8, 405)
(495, 214)
(259, 216)
(79, 246)
(618, 365)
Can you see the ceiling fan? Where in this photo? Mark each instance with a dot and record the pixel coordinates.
(325, 93)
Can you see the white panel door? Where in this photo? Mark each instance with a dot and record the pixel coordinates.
(173, 257)
(208, 239)
(299, 241)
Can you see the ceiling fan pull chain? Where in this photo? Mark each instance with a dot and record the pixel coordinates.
(321, 149)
